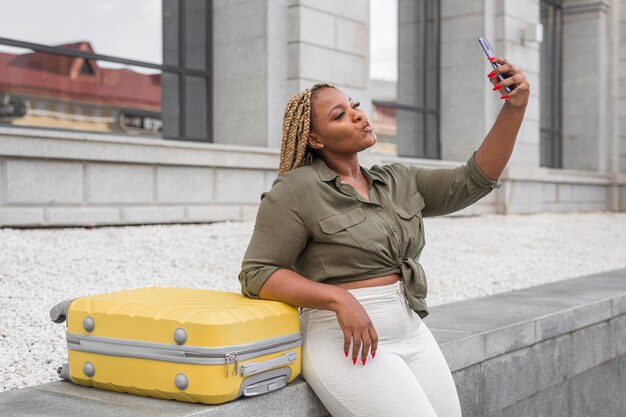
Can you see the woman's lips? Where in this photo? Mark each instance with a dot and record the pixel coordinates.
(368, 127)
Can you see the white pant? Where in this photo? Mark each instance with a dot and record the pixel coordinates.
(408, 377)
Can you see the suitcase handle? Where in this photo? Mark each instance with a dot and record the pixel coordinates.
(58, 314)
(254, 367)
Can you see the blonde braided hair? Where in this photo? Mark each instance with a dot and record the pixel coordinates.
(294, 149)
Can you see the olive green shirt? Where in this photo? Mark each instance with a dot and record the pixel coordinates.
(313, 224)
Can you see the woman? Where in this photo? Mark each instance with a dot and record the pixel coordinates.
(342, 242)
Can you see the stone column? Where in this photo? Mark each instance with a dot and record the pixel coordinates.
(586, 81)
(619, 58)
(464, 93)
(250, 71)
(328, 42)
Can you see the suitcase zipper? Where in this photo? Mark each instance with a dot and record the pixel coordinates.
(159, 351)
(234, 356)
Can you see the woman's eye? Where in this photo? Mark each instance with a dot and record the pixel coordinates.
(354, 106)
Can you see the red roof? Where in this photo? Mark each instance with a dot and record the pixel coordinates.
(384, 114)
(78, 79)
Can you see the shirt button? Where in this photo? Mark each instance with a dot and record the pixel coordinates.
(394, 229)
(379, 208)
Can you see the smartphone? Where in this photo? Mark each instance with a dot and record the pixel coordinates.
(484, 43)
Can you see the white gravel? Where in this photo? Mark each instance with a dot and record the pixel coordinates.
(464, 257)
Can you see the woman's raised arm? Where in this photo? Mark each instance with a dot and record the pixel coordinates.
(495, 151)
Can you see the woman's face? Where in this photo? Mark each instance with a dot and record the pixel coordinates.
(339, 124)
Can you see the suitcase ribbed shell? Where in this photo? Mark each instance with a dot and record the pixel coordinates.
(210, 318)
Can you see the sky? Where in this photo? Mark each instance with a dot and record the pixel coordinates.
(123, 28)
(132, 29)
(384, 39)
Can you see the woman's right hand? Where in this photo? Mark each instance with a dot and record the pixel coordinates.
(357, 328)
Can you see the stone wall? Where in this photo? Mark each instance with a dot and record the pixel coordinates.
(555, 350)
(72, 178)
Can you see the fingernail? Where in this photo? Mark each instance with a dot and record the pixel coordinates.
(505, 96)
(496, 87)
(354, 361)
(346, 354)
(491, 58)
(364, 359)
(373, 354)
(491, 74)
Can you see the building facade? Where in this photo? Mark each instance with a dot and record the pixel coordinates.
(94, 135)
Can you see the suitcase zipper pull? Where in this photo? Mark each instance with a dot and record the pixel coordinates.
(230, 357)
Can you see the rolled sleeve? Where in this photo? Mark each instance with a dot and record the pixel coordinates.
(478, 177)
(278, 238)
(447, 190)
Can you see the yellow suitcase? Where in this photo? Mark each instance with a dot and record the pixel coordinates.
(189, 345)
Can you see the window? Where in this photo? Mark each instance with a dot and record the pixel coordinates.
(551, 65)
(138, 68)
(405, 76)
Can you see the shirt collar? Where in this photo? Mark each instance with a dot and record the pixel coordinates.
(327, 174)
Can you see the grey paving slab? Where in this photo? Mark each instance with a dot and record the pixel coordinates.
(469, 384)
(619, 305)
(508, 379)
(618, 331)
(591, 346)
(512, 337)
(516, 375)
(554, 324)
(599, 391)
(444, 335)
(464, 352)
(496, 311)
(594, 312)
(65, 399)
(596, 285)
(552, 402)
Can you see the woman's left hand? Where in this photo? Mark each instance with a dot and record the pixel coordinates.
(517, 97)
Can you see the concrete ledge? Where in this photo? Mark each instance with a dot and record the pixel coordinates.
(63, 398)
(531, 352)
(84, 146)
(557, 349)
(508, 321)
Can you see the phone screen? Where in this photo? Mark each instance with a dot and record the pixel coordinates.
(484, 43)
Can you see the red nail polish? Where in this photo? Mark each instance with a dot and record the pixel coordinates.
(346, 354)
(373, 354)
(354, 361)
(491, 58)
(491, 74)
(496, 87)
(364, 359)
(505, 96)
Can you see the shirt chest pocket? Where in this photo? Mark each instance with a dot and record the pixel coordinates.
(410, 213)
(347, 228)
